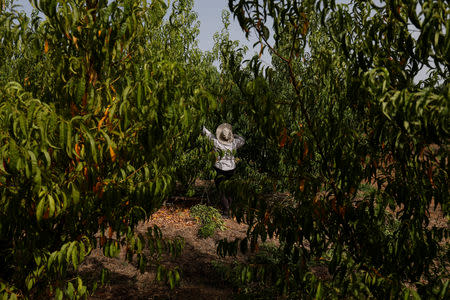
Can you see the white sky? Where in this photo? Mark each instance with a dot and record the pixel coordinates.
(209, 15)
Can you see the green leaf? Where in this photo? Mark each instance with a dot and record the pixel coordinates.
(40, 209)
(75, 194)
(104, 276)
(13, 296)
(29, 282)
(443, 289)
(265, 32)
(92, 146)
(35, 170)
(51, 205)
(59, 294)
(51, 259)
(47, 158)
(177, 277)
(159, 273)
(70, 249)
(82, 252)
(82, 289)
(75, 260)
(70, 291)
(171, 279)
(414, 294)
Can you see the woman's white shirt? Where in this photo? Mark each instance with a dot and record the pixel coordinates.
(225, 161)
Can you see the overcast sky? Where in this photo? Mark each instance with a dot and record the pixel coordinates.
(209, 15)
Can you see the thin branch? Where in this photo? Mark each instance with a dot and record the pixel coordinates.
(132, 174)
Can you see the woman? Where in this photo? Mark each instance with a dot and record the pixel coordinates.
(224, 143)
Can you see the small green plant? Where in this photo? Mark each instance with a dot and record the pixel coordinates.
(209, 218)
(252, 278)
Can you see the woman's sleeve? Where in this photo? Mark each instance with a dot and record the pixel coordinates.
(239, 141)
(208, 134)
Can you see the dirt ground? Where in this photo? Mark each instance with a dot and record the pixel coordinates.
(199, 278)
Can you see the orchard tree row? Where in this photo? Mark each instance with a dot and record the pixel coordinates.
(101, 105)
(346, 122)
(98, 100)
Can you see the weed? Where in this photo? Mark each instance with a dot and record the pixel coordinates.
(209, 218)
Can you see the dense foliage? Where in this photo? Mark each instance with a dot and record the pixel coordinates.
(101, 106)
(342, 123)
(98, 99)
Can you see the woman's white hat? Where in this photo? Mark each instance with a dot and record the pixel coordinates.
(224, 134)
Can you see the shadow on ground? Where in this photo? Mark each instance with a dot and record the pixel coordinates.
(199, 278)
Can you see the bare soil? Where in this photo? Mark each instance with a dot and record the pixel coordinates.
(199, 278)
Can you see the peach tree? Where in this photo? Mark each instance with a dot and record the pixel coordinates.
(355, 140)
(97, 100)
